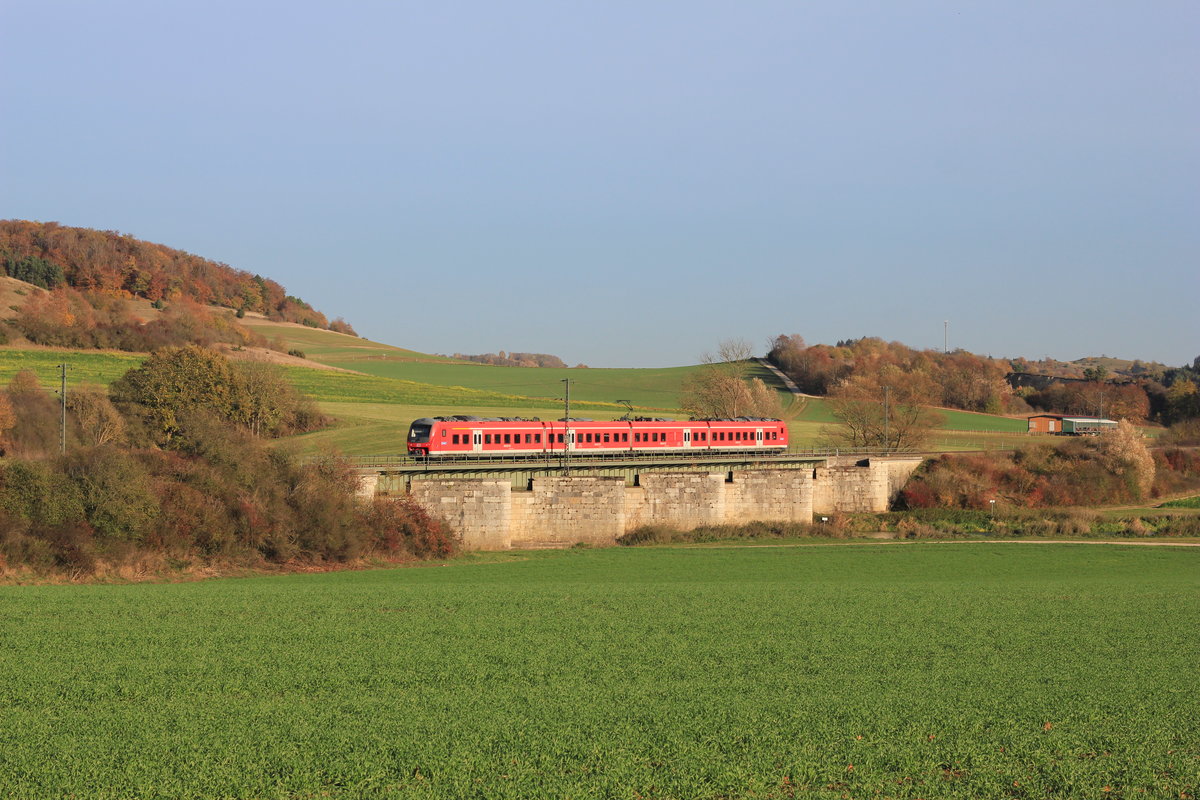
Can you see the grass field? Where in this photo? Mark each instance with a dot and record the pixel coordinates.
(903, 671)
(1186, 502)
(102, 367)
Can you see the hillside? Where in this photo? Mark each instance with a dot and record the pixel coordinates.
(115, 264)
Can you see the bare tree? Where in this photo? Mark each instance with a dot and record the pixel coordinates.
(723, 388)
(96, 418)
(888, 409)
(734, 351)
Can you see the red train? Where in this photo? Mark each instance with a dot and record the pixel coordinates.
(477, 436)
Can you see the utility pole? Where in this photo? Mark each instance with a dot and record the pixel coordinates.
(887, 439)
(946, 336)
(62, 398)
(567, 427)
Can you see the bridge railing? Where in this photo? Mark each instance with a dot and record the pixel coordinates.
(386, 461)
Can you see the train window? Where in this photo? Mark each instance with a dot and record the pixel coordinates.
(637, 437)
(560, 438)
(454, 439)
(477, 438)
(606, 439)
(624, 437)
(487, 438)
(537, 438)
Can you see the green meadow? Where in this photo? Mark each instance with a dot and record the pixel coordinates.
(892, 671)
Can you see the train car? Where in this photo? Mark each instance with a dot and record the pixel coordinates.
(512, 436)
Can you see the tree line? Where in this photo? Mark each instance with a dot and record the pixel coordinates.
(859, 369)
(173, 464)
(504, 359)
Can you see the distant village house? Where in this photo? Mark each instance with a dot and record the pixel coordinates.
(1059, 423)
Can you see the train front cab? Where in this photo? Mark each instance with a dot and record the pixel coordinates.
(419, 435)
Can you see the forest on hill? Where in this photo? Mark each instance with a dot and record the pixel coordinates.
(87, 274)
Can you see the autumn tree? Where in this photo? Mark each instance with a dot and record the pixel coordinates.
(1124, 452)
(35, 412)
(173, 382)
(888, 410)
(8, 420)
(1183, 401)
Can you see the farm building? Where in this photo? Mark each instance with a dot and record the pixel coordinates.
(1058, 423)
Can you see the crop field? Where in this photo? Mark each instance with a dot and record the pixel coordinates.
(646, 388)
(898, 671)
(327, 386)
(320, 345)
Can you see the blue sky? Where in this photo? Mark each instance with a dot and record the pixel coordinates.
(626, 184)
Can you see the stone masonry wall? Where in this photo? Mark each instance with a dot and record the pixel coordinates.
(857, 488)
(479, 510)
(560, 511)
(899, 471)
(784, 495)
(684, 499)
(564, 511)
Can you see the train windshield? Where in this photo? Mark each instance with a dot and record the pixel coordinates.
(419, 432)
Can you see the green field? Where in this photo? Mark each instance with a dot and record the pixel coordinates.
(646, 388)
(89, 366)
(902, 671)
(1186, 502)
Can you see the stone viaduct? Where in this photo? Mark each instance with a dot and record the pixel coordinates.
(557, 511)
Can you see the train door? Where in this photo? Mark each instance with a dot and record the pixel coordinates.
(758, 437)
(476, 442)
(687, 438)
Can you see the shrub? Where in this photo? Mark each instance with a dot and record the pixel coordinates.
(117, 492)
(649, 534)
(404, 526)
